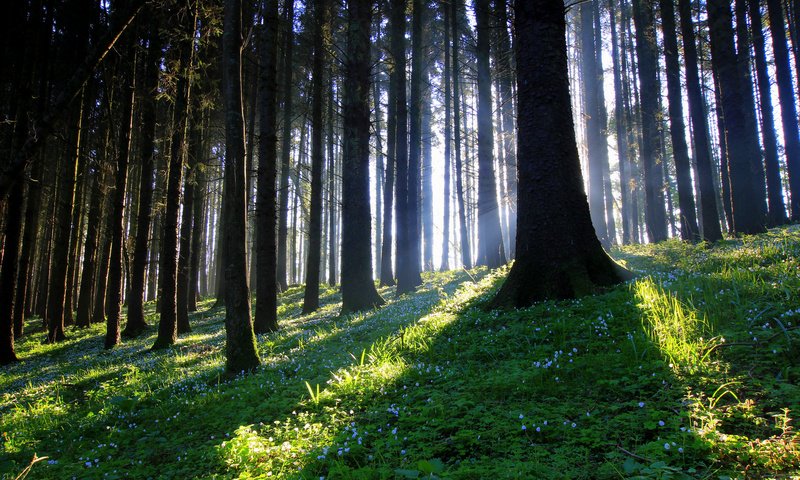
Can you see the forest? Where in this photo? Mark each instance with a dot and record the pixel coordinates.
(378, 239)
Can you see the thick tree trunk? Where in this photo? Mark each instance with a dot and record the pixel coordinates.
(683, 168)
(776, 205)
(491, 251)
(647, 51)
(358, 289)
(742, 146)
(558, 253)
(266, 317)
(791, 132)
(241, 352)
(8, 274)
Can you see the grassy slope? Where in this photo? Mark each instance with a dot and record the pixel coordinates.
(688, 372)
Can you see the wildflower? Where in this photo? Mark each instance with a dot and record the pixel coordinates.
(661, 423)
(524, 428)
(666, 446)
(641, 404)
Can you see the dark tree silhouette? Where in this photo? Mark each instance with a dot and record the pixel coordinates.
(358, 290)
(241, 353)
(558, 253)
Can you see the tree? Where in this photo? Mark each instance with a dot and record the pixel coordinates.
(490, 237)
(147, 105)
(709, 216)
(448, 126)
(558, 253)
(466, 257)
(241, 353)
(114, 304)
(647, 53)
(595, 140)
(168, 268)
(311, 294)
(791, 132)
(505, 79)
(689, 229)
(741, 144)
(266, 318)
(777, 207)
(358, 290)
(286, 142)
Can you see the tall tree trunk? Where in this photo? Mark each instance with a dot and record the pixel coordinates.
(777, 207)
(62, 218)
(558, 256)
(601, 101)
(466, 257)
(114, 304)
(387, 265)
(491, 251)
(596, 143)
(241, 352)
(358, 289)
(742, 146)
(311, 294)
(709, 227)
(286, 150)
(408, 239)
(136, 323)
(448, 126)
(380, 170)
(505, 80)
(791, 133)
(187, 228)
(646, 48)
(427, 165)
(168, 268)
(621, 132)
(266, 317)
(198, 220)
(683, 168)
(332, 236)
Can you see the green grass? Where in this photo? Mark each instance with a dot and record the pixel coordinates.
(690, 371)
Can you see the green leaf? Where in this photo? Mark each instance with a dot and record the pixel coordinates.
(403, 473)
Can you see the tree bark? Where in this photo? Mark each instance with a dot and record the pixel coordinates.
(241, 352)
(646, 48)
(466, 257)
(286, 150)
(266, 317)
(741, 146)
(491, 251)
(358, 289)
(558, 253)
(776, 205)
(786, 95)
(689, 229)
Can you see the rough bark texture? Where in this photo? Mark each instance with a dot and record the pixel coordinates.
(266, 317)
(491, 251)
(358, 290)
(558, 253)
(741, 146)
(683, 168)
(709, 216)
(241, 353)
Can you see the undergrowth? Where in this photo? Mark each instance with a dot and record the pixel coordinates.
(689, 371)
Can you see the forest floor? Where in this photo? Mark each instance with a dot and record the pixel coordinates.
(689, 371)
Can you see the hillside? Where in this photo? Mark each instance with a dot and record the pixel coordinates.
(689, 371)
